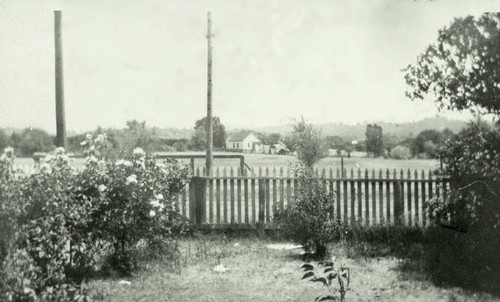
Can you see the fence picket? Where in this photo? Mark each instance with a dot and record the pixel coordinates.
(360, 200)
(431, 195)
(353, 199)
(388, 197)
(252, 185)
(210, 200)
(231, 191)
(381, 197)
(245, 189)
(262, 199)
(367, 198)
(238, 191)
(282, 190)
(224, 188)
(374, 199)
(416, 199)
(217, 190)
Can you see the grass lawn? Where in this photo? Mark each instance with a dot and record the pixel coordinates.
(257, 273)
(270, 161)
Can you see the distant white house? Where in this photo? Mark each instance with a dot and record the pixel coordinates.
(243, 142)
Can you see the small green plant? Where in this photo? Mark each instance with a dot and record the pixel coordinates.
(328, 276)
(310, 218)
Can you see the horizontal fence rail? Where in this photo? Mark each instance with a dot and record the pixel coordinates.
(229, 197)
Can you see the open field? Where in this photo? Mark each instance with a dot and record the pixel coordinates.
(258, 273)
(269, 161)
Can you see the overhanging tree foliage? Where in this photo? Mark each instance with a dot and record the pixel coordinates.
(462, 68)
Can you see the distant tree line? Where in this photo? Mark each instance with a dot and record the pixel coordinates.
(425, 144)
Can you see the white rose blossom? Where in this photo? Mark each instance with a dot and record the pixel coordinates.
(152, 213)
(45, 169)
(8, 151)
(102, 188)
(131, 179)
(48, 158)
(99, 138)
(123, 162)
(60, 150)
(155, 203)
(92, 159)
(138, 152)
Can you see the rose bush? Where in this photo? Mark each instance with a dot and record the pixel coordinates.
(58, 225)
(133, 200)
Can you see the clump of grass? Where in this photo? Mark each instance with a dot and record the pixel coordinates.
(361, 241)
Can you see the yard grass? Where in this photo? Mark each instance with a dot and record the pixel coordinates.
(257, 273)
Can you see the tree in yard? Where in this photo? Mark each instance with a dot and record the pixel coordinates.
(199, 138)
(462, 68)
(462, 71)
(374, 140)
(308, 143)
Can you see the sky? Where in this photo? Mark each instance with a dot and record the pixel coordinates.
(325, 60)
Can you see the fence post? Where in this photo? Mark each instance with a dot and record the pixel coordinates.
(242, 166)
(197, 213)
(398, 203)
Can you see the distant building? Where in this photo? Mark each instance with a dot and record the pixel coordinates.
(244, 142)
(281, 148)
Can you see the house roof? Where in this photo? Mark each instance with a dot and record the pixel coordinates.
(281, 146)
(238, 137)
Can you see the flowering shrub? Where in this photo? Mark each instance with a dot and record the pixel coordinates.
(56, 224)
(133, 199)
(9, 208)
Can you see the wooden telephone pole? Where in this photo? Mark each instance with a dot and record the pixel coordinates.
(61, 140)
(210, 127)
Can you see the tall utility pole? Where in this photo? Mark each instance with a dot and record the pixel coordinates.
(60, 118)
(210, 127)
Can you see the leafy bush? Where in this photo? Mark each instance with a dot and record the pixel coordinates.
(467, 219)
(309, 219)
(133, 198)
(57, 225)
(47, 258)
(400, 152)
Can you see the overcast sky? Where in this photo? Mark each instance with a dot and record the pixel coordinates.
(329, 61)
